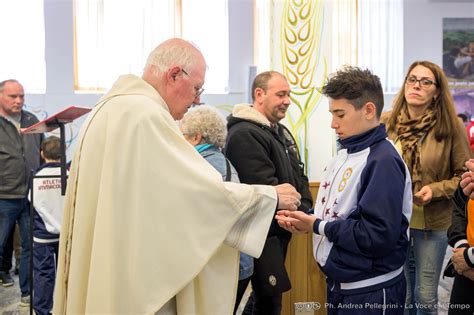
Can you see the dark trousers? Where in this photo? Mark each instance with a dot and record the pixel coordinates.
(260, 303)
(8, 253)
(388, 301)
(17, 211)
(263, 305)
(44, 276)
(241, 287)
(462, 296)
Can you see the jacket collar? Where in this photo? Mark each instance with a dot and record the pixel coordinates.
(247, 112)
(364, 140)
(48, 165)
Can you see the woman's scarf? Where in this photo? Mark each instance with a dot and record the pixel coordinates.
(411, 132)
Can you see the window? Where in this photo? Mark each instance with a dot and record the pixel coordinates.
(211, 35)
(381, 41)
(370, 34)
(344, 35)
(115, 37)
(22, 56)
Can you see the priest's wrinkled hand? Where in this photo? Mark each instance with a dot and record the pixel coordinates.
(295, 221)
(288, 197)
(458, 260)
(423, 196)
(469, 274)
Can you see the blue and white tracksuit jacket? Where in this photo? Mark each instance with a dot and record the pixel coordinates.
(363, 207)
(48, 204)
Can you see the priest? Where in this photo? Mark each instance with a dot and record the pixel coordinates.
(149, 226)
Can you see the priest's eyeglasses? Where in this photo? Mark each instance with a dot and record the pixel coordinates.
(424, 83)
(198, 90)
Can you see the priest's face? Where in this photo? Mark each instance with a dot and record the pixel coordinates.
(189, 89)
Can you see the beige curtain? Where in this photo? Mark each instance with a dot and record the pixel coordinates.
(344, 32)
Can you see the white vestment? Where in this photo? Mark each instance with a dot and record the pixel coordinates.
(147, 219)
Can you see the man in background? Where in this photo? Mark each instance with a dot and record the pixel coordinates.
(263, 151)
(19, 157)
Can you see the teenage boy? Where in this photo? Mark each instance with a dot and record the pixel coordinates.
(364, 203)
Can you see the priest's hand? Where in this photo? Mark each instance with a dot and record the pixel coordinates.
(288, 197)
(295, 221)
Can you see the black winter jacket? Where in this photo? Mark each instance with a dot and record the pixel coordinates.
(457, 230)
(19, 156)
(267, 156)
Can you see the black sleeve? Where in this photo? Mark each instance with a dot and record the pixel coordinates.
(457, 230)
(249, 153)
(298, 169)
(306, 198)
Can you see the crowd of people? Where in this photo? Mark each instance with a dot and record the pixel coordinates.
(178, 218)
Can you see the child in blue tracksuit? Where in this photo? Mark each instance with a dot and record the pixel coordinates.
(363, 209)
(48, 204)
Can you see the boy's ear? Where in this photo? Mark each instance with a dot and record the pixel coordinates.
(370, 110)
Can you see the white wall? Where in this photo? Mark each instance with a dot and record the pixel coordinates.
(423, 27)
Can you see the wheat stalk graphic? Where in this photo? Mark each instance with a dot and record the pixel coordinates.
(301, 32)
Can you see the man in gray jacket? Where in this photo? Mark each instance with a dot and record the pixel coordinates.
(19, 156)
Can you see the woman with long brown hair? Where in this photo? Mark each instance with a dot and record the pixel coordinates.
(434, 145)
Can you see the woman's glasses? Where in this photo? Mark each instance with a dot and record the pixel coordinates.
(424, 83)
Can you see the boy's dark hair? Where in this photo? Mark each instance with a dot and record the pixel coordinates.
(51, 148)
(355, 85)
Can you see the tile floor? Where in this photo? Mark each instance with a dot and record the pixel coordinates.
(10, 300)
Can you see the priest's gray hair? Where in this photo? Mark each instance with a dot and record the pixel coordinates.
(207, 121)
(171, 54)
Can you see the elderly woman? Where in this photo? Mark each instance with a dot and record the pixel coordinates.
(434, 145)
(205, 129)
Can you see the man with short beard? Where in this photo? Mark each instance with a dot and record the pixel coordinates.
(263, 151)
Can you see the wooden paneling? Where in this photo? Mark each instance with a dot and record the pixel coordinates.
(308, 282)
